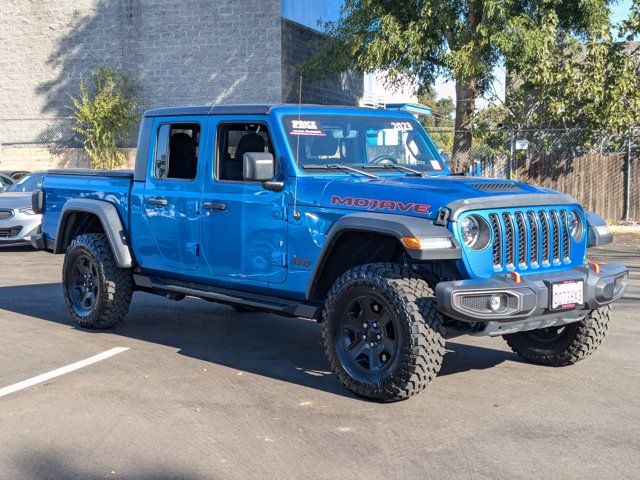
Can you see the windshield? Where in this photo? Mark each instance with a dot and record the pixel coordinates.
(366, 141)
(28, 184)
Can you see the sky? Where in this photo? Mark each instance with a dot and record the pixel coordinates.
(309, 12)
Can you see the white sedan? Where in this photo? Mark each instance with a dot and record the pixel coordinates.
(18, 222)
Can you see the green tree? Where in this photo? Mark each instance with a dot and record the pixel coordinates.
(459, 39)
(441, 123)
(104, 114)
(564, 81)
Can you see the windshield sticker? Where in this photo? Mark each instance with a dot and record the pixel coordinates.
(309, 128)
(388, 205)
(404, 126)
(436, 165)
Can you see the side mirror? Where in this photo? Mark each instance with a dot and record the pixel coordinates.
(258, 166)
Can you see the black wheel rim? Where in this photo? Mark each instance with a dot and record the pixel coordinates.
(367, 336)
(550, 334)
(83, 285)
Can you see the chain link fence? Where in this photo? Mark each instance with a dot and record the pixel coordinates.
(600, 169)
(47, 132)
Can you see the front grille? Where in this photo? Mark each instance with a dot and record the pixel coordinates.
(530, 238)
(6, 214)
(10, 232)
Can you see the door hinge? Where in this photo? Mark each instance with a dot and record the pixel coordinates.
(279, 259)
(193, 249)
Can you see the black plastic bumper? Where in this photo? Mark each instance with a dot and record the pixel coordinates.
(526, 304)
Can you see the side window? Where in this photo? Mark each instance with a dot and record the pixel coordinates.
(177, 151)
(236, 139)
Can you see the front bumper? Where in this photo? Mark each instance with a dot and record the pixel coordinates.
(19, 229)
(526, 304)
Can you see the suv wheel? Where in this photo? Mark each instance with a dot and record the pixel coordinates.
(382, 333)
(565, 345)
(97, 291)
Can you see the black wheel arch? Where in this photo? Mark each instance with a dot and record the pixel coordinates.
(357, 239)
(82, 215)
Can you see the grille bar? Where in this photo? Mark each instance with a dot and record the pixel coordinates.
(497, 240)
(6, 214)
(531, 239)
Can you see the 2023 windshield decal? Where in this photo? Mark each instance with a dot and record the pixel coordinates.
(373, 204)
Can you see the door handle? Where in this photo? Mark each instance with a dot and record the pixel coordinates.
(217, 206)
(158, 201)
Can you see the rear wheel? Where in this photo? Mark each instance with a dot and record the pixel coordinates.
(565, 345)
(382, 332)
(98, 293)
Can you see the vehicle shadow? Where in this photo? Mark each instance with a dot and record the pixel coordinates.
(287, 349)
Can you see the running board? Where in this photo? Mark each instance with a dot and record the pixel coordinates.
(277, 305)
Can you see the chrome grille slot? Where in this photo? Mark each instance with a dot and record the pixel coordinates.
(522, 239)
(509, 234)
(556, 235)
(6, 214)
(544, 222)
(497, 240)
(535, 238)
(566, 245)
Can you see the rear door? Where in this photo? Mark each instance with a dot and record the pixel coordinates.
(244, 227)
(168, 240)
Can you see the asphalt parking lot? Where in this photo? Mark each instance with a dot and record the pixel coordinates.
(204, 392)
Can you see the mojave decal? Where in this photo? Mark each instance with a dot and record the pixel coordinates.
(373, 204)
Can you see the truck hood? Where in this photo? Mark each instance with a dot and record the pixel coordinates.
(414, 196)
(12, 200)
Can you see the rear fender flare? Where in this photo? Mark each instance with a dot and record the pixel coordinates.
(108, 216)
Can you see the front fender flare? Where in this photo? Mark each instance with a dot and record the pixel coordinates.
(397, 226)
(111, 224)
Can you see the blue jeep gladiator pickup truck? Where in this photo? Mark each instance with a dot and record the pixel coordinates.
(344, 215)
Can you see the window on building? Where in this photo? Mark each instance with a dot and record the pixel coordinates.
(177, 151)
(236, 139)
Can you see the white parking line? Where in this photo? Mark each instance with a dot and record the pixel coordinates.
(61, 371)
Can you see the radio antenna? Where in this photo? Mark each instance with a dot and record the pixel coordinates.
(296, 214)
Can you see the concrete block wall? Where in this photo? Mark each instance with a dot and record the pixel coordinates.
(179, 53)
(297, 46)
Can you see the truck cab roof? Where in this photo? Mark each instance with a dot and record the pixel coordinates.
(256, 109)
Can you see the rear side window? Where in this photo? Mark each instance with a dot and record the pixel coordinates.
(177, 151)
(236, 139)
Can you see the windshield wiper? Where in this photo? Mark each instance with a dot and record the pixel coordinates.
(336, 166)
(395, 166)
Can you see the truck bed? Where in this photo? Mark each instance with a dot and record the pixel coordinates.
(113, 186)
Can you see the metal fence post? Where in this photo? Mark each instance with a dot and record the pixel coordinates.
(512, 153)
(627, 173)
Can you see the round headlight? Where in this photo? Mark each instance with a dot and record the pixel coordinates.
(575, 225)
(470, 231)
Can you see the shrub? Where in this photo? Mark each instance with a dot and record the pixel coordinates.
(104, 114)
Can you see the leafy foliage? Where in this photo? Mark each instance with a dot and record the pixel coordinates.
(462, 40)
(104, 113)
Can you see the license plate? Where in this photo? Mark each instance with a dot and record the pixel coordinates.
(567, 294)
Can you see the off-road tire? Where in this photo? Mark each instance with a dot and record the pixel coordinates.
(577, 341)
(420, 341)
(116, 284)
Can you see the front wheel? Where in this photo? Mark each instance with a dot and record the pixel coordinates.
(565, 345)
(97, 291)
(382, 332)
